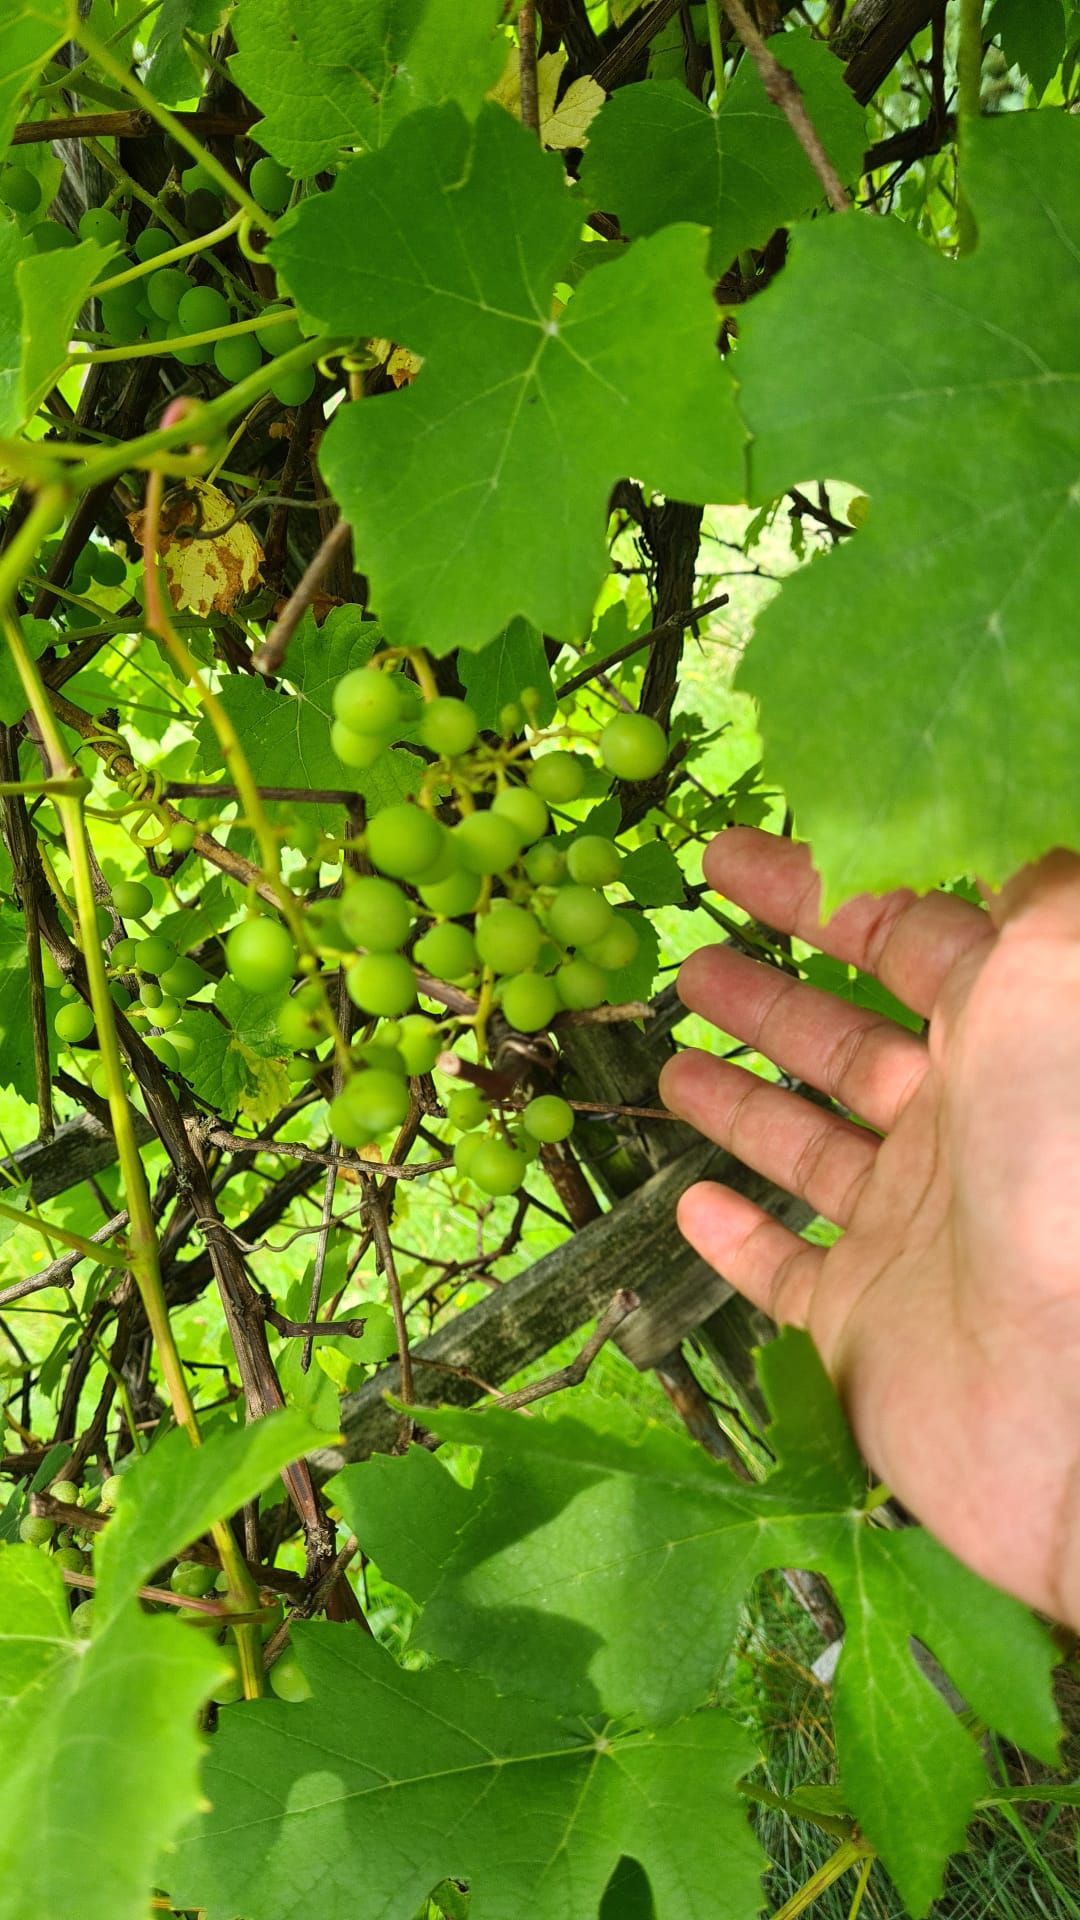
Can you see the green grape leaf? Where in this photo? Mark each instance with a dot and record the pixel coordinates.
(31, 36)
(329, 78)
(635, 981)
(230, 1073)
(463, 487)
(395, 1781)
(16, 1032)
(175, 1492)
(40, 296)
(934, 644)
(410, 1524)
(653, 876)
(286, 733)
(657, 154)
(501, 670)
(605, 1565)
(101, 1755)
(174, 73)
(1032, 37)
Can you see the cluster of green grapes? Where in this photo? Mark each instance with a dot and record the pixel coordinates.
(71, 1546)
(168, 304)
(494, 900)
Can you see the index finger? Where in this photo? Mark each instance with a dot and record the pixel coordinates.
(910, 942)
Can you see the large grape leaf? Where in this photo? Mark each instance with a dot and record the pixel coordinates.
(328, 78)
(479, 491)
(173, 73)
(387, 1782)
(919, 699)
(101, 1749)
(501, 672)
(657, 154)
(286, 732)
(32, 33)
(40, 297)
(606, 1563)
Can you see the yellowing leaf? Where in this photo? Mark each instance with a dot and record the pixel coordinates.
(564, 125)
(205, 575)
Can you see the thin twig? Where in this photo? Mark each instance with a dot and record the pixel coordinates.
(784, 92)
(667, 627)
(313, 1602)
(528, 87)
(128, 126)
(620, 1306)
(292, 1150)
(381, 1231)
(270, 655)
(59, 1272)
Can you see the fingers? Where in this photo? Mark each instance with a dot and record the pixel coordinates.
(910, 943)
(759, 1257)
(857, 1057)
(814, 1154)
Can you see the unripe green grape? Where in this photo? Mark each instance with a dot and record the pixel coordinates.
(465, 1151)
(486, 843)
(466, 1108)
(107, 567)
(280, 336)
(530, 1002)
(231, 1688)
(377, 1098)
(304, 835)
(616, 948)
(269, 184)
(131, 899)
(151, 242)
(203, 308)
(857, 509)
(557, 777)
(287, 1680)
(150, 994)
(298, 1021)
(82, 1619)
(578, 915)
(195, 179)
(102, 225)
(324, 926)
(633, 746)
(155, 954)
(80, 618)
(375, 914)
(497, 1168)
(346, 1126)
(448, 727)
(183, 978)
(545, 864)
(580, 985)
(419, 1043)
(181, 836)
(100, 1082)
(261, 956)
(20, 190)
(156, 329)
(593, 861)
(49, 969)
(73, 1022)
(110, 1491)
(511, 719)
(367, 701)
(382, 983)
(35, 1530)
(448, 951)
(121, 320)
(404, 842)
(526, 809)
(457, 894)
(50, 236)
(103, 920)
(125, 954)
(548, 1118)
(163, 1050)
(380, 1053)
(73, 1558)
(164, 291)
(66, 1492)
(508, 938)
(357, 750)
(292, 387)
(202, 211)
(237, 357)
(187, 356)
(167, 1013)
(191, 1579)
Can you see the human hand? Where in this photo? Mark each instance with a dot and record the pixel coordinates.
(948, 1313)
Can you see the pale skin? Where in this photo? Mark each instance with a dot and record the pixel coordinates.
(948, 1313)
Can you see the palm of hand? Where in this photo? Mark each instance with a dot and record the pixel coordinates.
(948, 1312)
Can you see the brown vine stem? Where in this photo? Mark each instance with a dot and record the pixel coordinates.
(784, 93)
(621, 1305)
(270, 655)
(528, 87)
(128, 126)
